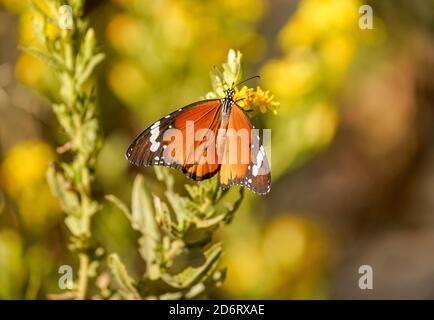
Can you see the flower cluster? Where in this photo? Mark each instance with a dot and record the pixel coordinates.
(256, 100)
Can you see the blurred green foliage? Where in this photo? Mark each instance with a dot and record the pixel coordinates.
(158, 58)
(175, 241)
(73, 56)
(169, 238)
(160, 55)
(318, 44)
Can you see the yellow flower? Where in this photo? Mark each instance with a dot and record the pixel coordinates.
(338, 52)
(22, 174)
(256, 100)
(125, 33)
(31, 24)
(320, 124)
(316, 20)
(127, 81)
(30, 70)
(245, 262)
(25, 164)
(293, 77)
(284, 259)
(291, 232)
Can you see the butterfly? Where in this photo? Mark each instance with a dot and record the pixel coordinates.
(203, 138)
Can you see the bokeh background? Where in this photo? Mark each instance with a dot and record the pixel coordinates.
(352, 152)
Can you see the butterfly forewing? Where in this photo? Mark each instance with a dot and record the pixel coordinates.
(178, 139)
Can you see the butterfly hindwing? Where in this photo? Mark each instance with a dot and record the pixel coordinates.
(250, 168)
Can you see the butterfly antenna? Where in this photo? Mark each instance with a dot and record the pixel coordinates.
(248, 79)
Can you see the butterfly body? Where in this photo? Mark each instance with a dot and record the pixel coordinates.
(227, 103)
(204, 138)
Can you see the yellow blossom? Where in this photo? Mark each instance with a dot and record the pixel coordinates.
(256, 100)
(22, 174)
(24, 164)
(124, 33)
(127, 81)
(30, 70)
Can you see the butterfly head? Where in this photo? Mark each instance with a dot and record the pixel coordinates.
(229, 93)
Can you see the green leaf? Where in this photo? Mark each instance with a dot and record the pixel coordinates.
(195, 291)
(51, 60)
(208, 223)
(88, 46)
(59, 188)
(179, 205)
(74, 225)
(192, 275)
(232, 208)
(171, 296)
(88, 69)
(34, 5)
(232, 69)
(63, 117)
(141, 208)
(143, 220)
(123, 278)
(162, 216)
(164, 175)
(118, 203)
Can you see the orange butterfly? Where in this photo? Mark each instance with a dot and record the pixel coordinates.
(204, 138)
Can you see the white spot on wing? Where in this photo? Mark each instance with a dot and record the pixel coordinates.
(155, 131)
(255, 170)
(260, 157)
(154, 146)
(155, 125)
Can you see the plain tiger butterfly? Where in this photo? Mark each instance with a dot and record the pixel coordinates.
(204, 138)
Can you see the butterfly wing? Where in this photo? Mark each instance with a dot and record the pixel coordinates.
(244, 162)
(185, 150)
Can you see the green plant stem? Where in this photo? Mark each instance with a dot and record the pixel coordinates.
(84, 259)
(83, 276)
(74, 55)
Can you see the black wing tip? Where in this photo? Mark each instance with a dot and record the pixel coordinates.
(129, 151)
(130, 157)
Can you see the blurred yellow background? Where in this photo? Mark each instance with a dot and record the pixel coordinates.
(352, 140)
